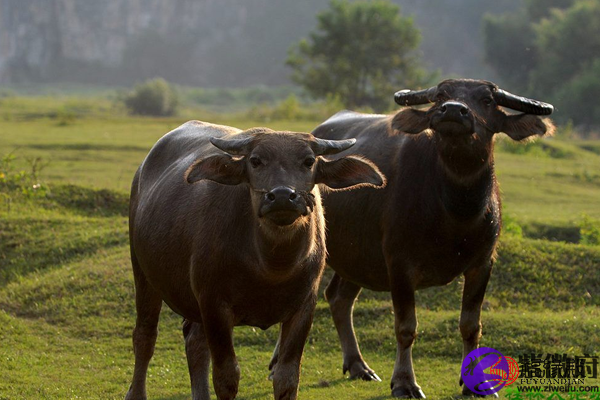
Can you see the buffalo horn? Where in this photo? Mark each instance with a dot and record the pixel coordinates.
(323, 147)
(236, 147)
(523, 104)
(415, 97)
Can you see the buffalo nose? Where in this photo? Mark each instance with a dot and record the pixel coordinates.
(281, 193)
(454, 107)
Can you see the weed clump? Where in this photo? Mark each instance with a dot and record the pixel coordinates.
(511, 227)
(154, 97)
(27, 182)
(590, 231)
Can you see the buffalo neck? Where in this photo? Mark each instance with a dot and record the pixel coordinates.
(468, 180)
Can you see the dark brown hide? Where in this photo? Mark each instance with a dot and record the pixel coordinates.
(437, 218)
(229, 239)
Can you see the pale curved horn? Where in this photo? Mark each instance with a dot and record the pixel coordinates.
(323, 147)
(236, 147)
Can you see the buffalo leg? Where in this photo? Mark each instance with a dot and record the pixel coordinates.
(404, 384)
(198, 357)
(476, 280)
(275, 356)
(218, 329)
(293, 334)
(341, 295)
(148, 304)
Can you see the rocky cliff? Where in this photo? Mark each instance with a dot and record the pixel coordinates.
(199, 42)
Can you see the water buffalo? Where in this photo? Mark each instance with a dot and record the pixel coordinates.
(227, 228)
(438, 217)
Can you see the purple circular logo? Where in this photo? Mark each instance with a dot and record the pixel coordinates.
(478, 374)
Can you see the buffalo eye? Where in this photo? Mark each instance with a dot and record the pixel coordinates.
(309, 162)
(487, 101)
(255, 161)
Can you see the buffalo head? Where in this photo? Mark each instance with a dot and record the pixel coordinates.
(282, 169)
(466, 109)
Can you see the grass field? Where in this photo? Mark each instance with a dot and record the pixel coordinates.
(66, 290)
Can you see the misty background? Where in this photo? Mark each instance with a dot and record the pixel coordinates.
(207, 43)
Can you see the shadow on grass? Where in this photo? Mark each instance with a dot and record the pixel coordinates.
(240, 396)
(89, 202)
(594, 148)
(269, 393)
(263, 395)
(323, 384)
(568, 234)
(87, 146)
(38, 245)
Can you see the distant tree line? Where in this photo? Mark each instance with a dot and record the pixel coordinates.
(550, 49)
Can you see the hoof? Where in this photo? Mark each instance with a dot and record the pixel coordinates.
(360, 370)
(408, 393)
(366, 375)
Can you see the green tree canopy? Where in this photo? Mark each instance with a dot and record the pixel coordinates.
(361, 51)
(550, 50)
(570, 40)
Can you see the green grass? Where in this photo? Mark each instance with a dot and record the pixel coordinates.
(65, 325)
(551, 182)
(66, 289)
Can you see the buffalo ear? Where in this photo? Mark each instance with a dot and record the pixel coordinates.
(410, 121)
(347, 172)
(522, 126)
(221, 168)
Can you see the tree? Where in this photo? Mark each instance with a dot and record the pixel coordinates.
(510, 40)
(569, 43)
(362, 51)
(508, 48)
(550, 50)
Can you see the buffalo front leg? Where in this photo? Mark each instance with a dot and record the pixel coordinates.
(476, 280)
(218, 329)
(404, 384)
(198, 358)
(275, 356)
(341, 295)
(148, 304)
(292, 338)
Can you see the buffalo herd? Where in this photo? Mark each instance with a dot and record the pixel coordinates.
(232, 227)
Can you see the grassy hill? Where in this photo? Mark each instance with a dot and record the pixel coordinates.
(67, 310)
(66, 290)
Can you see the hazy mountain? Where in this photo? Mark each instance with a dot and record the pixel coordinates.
(203, 42)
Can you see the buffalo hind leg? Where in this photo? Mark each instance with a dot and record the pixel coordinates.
(148, 304)
(404, 384)
(476, 280)
(198, 358)
(341, 295)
